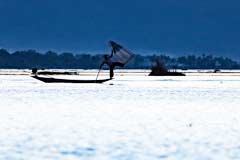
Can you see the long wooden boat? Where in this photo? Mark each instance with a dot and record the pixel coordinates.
(57, 80)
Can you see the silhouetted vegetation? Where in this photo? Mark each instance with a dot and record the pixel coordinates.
(51, 60)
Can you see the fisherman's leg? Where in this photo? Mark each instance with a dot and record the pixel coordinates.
(111, 72)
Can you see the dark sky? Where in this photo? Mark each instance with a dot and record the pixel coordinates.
(169, 26)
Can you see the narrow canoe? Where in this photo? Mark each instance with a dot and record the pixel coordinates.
(57, 80)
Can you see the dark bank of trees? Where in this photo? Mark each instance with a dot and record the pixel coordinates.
(51, 60)
(34, 59)
(198, 62)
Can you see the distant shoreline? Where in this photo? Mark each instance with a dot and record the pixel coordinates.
(32, 59)
(121, 72)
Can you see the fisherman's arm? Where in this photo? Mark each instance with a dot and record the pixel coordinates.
(111, 53)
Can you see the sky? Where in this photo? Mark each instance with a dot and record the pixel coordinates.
(174, 27)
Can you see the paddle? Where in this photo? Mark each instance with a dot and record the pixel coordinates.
(98, 73)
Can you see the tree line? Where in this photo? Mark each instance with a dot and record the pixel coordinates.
(51, 60)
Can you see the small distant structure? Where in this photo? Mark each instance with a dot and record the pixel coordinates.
(217, 71)
(159, 69)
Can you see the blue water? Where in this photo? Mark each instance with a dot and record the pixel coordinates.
(129, 118)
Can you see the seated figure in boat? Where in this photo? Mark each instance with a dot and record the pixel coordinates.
(34, 71)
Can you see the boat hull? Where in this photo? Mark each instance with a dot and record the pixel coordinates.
(57, 80)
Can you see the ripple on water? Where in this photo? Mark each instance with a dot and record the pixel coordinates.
(80, 152)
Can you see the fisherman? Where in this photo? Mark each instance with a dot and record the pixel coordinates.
(111, 64)
(119, 57)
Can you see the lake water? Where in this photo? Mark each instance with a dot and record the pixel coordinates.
(133, 117)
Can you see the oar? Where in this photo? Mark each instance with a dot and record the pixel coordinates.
(98, 74)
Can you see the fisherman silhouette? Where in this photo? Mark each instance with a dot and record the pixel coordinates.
(119, 57)
(111, 64)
